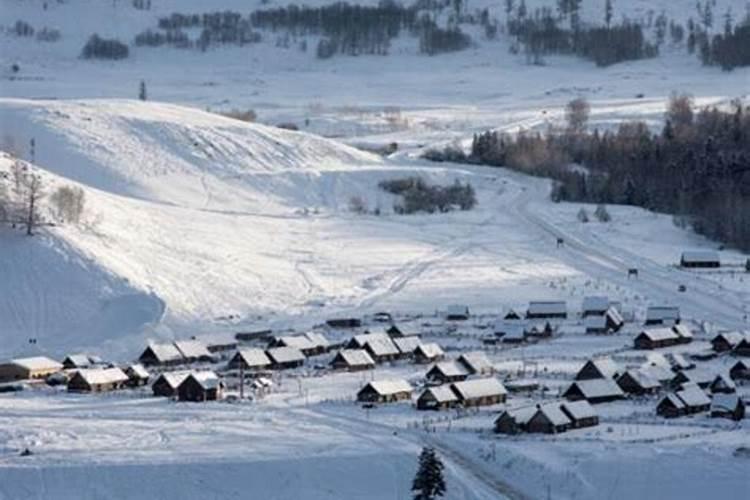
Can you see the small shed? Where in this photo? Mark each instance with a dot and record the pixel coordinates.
(580, 413)
(692, 259)
(594, 391)
(599, 368)
(457, 312)
(200, 386)
(446, 372)
(437, 398)
(547, 310)
(480, 392)
(352, 360)
(727, 406)
(428, 353)
(283, 358)
(514, 421)
(137, 375)
(385, 391)
(548, 419)
(476, 363)
(97, 380)
(253, 359)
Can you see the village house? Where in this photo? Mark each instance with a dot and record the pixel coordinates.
(221, 347)
(660, 373)
(547, 310)
(692, 259)
(480, 392)
(743, 347)
(727, 406)
(283, 358)
(596, 325)
(699, 376)
(193, 350)
(200, 386)
(446, 372)
(511, 315)
(406, 345)
(359, 341)
(696, 401)
(722, 384)
(385, 391)
(252, 359)
(678, 362)
(594, 391)
(476, 363)
(539, 330)
(684, 333)
(740, 370)
(671, 406)
(166, 383)
(254, 335)
(352, 360)
(656, 338)
(598, 368)
(33, 368)
(437, 398)
(137, 375)
(514, 333)
(594, 306)
(394, 331)
(548, 419)
(638, 383)
(97, 380)
(321, 343)
(457, 312)
(580, 413)
(428, 353)
(73, 361)
(662, 315)
(615, 321)
(382, 349)
(161, 355)
(521, 385)
(299, 342)
(726, 341)
(514, 421)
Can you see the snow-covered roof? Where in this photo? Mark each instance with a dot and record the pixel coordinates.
(98, 376)
(407, 344)
(553, 413)
(476, 361)
(430, 350)
(678, 360)
(442, 393)
(741, 364)
(318, 339)
(457, 310)
(643, 378)
(37, 363)
(207, 379)
(700, 256)
(615, 316)
(515, 330)
(388, 387)
(165, 352)
(78, 360)
(658, 334)
(657, 372)
(192, 349)
(138, 370)
(662, 313)
(382, 347)
(356, 357)
(725, 402)
(173, 379)
(598, 387)
(606, 366)
(683, 331)
(254, 357)
(693, 396)
(595, 303)
(725, 381)
(364, 338)
(285, 354)
(300, 342)
(579, 409)
(676, 402)
(548, 307)
(700, 376)
(449, 369)
(479, 388)
(595, 322)
(520, 415)
(732, 338)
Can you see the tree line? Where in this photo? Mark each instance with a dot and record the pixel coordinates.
(696, 167)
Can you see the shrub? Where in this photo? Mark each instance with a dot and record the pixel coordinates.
(104, 48)
(583, 216)
(601, 214)
(418, 196)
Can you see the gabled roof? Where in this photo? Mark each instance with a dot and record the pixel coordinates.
(318, 339)
(515, 330)
(683, 331)
(173, 379)
(615, 316)
(441, 394)
(253, 357)
(662, 313)
(693, 396)
(548, 307)
(192, 349)
(478, 388)
(476, 361)
(674, 400)
(643, 379)
(382, 347)
(732, 338)
(598, 388)
(406, 345)
(595, 303)
(355, 357)
(389, 387)
(285, 354)
(300, 342)
(165, 352)
(678, 360)
(725, 381)
(595, 322)
(657, 372)
(138, 370)
(36, 363)
(520, 415)
(97, 376)
(449, 369)
(605, 366)
(207, 379)
(741, 364)
(430, 350)
(578, 409)
(658, 334)
(364, 338)
(700, 376)
(553, 414)
(78, 360)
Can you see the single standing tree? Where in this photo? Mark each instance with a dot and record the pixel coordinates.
(428, 483)
(577, 115)
(142, 95)
(33, 192)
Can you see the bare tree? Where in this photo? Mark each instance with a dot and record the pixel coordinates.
(680, 112)
(28, 190)
(69, 203)
(577, 115)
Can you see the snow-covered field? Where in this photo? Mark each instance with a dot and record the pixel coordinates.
(197, 224)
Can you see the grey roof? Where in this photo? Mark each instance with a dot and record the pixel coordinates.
(700, 256)
(478, 388)
(318, 339)
(693, 396)
(676, 402)
(254, 357)
(389, 387)
(285, 354)
(442, 394)
(725, 402)
(579, 409)
(553, 413)
(356, 357)
(595, 303)
(192, 349)
(657, 372)
(595, 322)
(663, 313)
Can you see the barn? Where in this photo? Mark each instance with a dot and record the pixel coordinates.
(161, 355)
(580, 413)
(97, 380)
(476, 363)
(385, 391)
(480, 392)
(137, 375)
(548, 419)
(200, 386)
(437, 398)
(33, 368)
(514, 421)
(547, 310)
(249, 359)
(662, 315)
(428, 353)
(598, 368)
(692, 259)
(352, 360)
(166, 384)
(656, 338)
(594, 391)
(283, 358)
(446, 372)
(638, 383)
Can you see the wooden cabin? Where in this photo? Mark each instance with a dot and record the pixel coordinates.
(700, 377)
(437, 398)
(193, 351)
(696, 259)
(671, 406)
(480, 392)
(252, 359)
(595, 391)
(548, 419)
(166, 383)
(428, 353)
(446, 372)
(344, 322)
(598, 368)
(547, 310)
(726, 341)
(638, 383)
(396, 332)
(580, 413)
(359, 341)
(200, 386)
(728, 406)
(161, 355)
(696, 401)
(406, 345)
(137, 375)
(352, 360)
(77, 361)
(476, 363)
(743, 347)
(722, 384)
(662, 315)
(514, 421)
(385, 391)
(457, 312)
(283, 358)
(656, 338)
(594, 306)
(97, 380)
(33, 368)
(382, 350)
(740, 370)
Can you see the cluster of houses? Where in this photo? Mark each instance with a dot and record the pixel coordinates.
(736, 343)
(547, 418)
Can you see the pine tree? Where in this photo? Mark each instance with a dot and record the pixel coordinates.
(428, 483)
(608, 13)
(142, 91)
